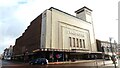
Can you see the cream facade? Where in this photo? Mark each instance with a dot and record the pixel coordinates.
(61, 30)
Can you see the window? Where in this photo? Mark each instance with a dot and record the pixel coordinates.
(73, 42)
(70, 41)
(108, 49)
(77, 43)
(80, 43)
(83, 43)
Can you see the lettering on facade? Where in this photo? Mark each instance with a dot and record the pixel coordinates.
(76, 33)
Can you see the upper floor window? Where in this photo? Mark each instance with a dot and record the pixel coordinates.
(73, 42)
(80, 43)
(83, 43)
(70, 41)
(77, 43)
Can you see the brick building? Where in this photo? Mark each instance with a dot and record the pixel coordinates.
(30, 39)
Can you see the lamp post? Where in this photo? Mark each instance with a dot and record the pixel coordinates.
(116, 47)
(103, 55)
(111, 45)
(113, 57)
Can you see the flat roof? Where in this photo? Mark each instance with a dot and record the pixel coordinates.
(79, 10)
(67, 13)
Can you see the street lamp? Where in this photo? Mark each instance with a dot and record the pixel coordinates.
(116, 47)
(103, 55)
(111, 45)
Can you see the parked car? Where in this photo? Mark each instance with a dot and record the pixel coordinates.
(73, 60)
(41, 61)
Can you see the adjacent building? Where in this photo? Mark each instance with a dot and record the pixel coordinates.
(118, 49)
(58, 36)
(8, 53)
(107, 48)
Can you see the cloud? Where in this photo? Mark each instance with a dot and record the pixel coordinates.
(15, 16)
(10, 26)
(6, 3)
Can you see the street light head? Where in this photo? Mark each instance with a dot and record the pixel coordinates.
(110, 38)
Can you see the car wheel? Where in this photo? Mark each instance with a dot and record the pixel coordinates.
(31, 63)
(42, 63)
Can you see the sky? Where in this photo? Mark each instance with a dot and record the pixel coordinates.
(16, 15)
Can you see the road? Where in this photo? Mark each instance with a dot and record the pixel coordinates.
(9, 64)
(119, 63)
(0, 63)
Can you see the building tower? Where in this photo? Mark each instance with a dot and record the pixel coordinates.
(85, 14)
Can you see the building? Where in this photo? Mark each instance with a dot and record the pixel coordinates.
(118, 49)
(99, 46)
(107, 48)
(5, 53)
(1, 56)
(8, 53)
(58, 36)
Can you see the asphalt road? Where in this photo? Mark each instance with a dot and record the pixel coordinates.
(0, 63)
(9, 64)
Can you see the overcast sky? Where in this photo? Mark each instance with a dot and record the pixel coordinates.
(16, 15)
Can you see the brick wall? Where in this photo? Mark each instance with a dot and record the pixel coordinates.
(30, 39)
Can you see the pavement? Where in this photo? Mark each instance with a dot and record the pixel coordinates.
(96, 62)
(88, 63)
(69, 62)
(78, 62)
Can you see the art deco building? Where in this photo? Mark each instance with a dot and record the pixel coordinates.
(57, 35)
